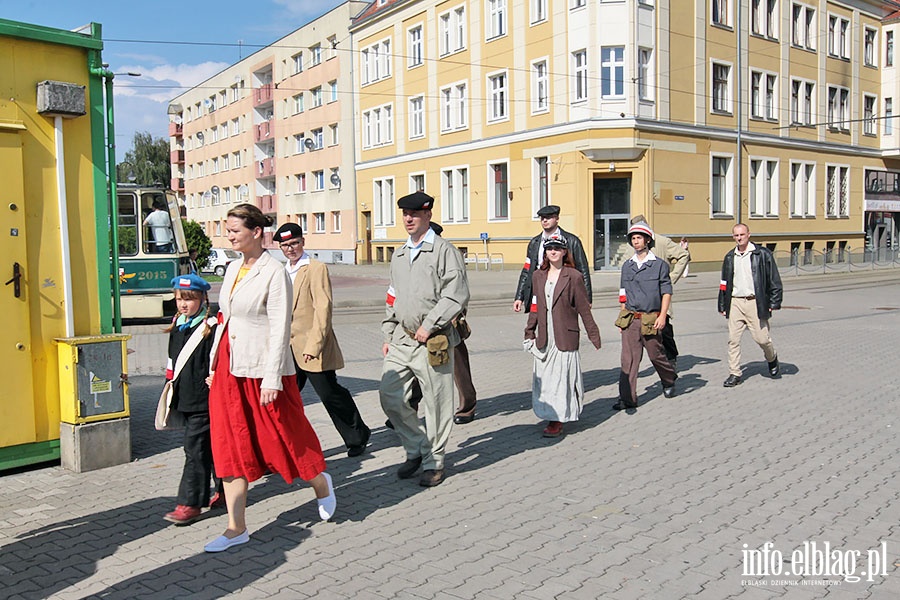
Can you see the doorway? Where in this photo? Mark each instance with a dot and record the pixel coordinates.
(612, 204)
(367, 241)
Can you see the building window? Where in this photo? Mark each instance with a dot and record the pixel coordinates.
(225, 161)
(763, 17)
(838, 37)
(336, 221)
(455, 195)
(383, 201)
(498, 108)
(320, 222)
(802, 102)
(721, 88)
(803, 189)
(318, 181)
(803, 26)
(496, 18)
(375, 62)
(499, 191)
(333, 86)
(837, 193)
(452, 31)
(869, 37)
(578, 4)
(541, 183)
(416, 117)
(298, 143)
(318, 138)
(722, 186)
(888, 116)
(227, 199)
(762, 95)
(415, 53)
(763, 188)
(236, 159)
(235, 127)
(538, 11)
(721, 12)
(300, 182)
(335, 138)
(378, 126)
(540, 87)
(869, 114)
(454, 107)
(612, 72)
(301, 221)
(316, 53)
(645, 74)
(417, 183)
(298, 103)
(297, 62)
(889, 49)
(838, 108)
(580, 69)
(316, 96)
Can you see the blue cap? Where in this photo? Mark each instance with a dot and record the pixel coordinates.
(190, 281)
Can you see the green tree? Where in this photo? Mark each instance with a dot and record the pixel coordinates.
(147, 163)
(197, 240)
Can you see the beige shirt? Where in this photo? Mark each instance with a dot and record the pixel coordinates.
(743, 274)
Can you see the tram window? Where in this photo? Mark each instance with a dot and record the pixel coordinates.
(127, 225)
(158, 235)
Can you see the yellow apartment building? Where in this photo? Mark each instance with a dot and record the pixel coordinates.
(696, 114)
(275, 130)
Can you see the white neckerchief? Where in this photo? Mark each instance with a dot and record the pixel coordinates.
(414, 248)
(301, 262)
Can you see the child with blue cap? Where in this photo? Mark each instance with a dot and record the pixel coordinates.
(190, 342)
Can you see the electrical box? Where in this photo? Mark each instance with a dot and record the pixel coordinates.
(92, 376)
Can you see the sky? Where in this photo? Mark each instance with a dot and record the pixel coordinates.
(168, 44)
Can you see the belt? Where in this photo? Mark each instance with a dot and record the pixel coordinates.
(750, 297)
(638, 315)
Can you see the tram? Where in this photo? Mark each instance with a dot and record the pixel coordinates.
(152, 250)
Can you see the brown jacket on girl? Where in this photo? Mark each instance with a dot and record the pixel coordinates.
(570, 299)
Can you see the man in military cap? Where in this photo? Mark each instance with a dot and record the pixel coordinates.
(428, 290)
(317, 354)
(549, 216)
(677, 257)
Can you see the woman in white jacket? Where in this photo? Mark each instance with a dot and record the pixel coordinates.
(256, 413)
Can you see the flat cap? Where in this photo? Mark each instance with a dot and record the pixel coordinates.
(416, 201)
(288, 231)
(555, 241)
(546, 211)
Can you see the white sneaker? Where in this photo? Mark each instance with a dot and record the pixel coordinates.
(222, 543)
(328, 504)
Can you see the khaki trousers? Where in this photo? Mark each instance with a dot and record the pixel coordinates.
(743, 316)
(402, 365)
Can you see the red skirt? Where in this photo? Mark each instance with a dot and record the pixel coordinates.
(249, 439)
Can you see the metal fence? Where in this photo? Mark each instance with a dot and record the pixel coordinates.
(806, 262)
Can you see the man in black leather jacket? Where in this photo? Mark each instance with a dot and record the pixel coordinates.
(748, 293)
(549, 216)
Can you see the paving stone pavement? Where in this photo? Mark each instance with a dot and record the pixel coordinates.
(663, 503)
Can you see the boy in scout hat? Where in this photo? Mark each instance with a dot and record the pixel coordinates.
(428, 290)
(549, 216)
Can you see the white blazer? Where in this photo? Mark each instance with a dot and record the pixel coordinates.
(257, 316)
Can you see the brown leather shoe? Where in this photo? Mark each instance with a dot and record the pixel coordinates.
(431, 477)
(409, 468)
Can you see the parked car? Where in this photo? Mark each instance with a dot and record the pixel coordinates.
(219, 259)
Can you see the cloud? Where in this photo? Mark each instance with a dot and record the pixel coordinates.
(161, 83)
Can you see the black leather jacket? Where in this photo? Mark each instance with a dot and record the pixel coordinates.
(766, 282)
(523, 290)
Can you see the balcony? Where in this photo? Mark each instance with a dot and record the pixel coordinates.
(266, 167)
(175, 129)
(263, 95)
(263, 132)
(177, 184)
(177, 157)
(266, 203)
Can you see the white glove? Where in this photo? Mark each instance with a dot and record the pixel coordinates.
(527, 345)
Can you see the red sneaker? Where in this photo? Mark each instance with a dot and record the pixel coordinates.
(183, 515)
(554, 429)
(217, 501)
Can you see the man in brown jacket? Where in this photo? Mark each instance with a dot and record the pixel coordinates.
(317, 354)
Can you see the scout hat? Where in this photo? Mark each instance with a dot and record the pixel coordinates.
(548, 211)
(287, 232)
(416, 201)
(190, 281)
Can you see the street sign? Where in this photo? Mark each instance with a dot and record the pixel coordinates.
(484, 235)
